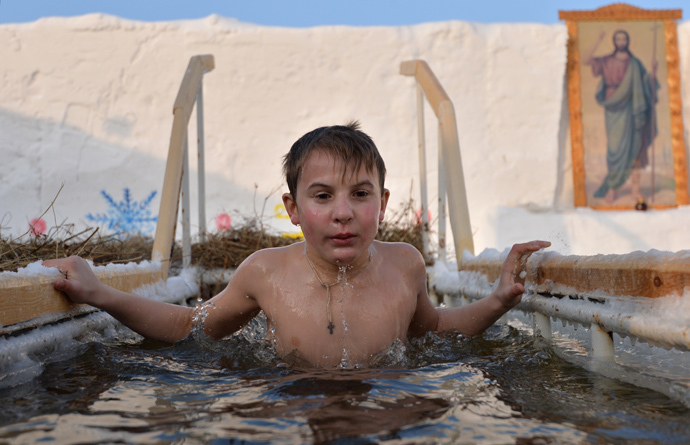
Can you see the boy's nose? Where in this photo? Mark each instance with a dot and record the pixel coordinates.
(342, 211)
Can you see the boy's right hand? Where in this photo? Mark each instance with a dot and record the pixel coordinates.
(80, 283)
(512, 281)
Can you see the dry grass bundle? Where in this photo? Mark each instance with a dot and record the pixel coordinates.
(61, 242)
(402, 226)
(229, 248)
(219, 250)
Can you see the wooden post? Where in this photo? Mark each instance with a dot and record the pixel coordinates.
(542, 326)
(421, 141)
(602, 343)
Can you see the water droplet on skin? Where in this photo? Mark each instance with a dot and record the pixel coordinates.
(198, 319)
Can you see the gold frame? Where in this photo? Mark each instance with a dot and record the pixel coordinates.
(614, 13)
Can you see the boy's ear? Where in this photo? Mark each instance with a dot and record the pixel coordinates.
(291, 207)
(384, 202)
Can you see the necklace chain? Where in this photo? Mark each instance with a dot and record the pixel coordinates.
(341, 272)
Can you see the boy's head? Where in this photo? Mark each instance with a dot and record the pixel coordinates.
(344, 142)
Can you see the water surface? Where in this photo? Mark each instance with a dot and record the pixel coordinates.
(503, 387)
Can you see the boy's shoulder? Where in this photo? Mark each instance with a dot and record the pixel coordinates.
(396, 247)
(275, 254)
(399, 252)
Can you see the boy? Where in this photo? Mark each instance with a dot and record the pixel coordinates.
(338, 297)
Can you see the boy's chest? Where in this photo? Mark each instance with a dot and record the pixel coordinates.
(364, 320)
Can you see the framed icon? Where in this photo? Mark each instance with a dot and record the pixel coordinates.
(624, 97)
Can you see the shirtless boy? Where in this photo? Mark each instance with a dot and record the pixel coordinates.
(338, 297)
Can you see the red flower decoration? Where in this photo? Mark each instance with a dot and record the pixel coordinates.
(37, 227)
(223, 222)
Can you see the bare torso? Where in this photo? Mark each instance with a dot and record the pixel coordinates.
(369, 311)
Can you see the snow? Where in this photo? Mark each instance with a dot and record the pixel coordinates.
(35, 269)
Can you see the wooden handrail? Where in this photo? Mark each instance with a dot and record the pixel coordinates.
(33, 301)
(609, 293)
(457, 195)
(170, 196)
(649, 275)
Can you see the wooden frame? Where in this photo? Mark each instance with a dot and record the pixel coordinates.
(659, 178)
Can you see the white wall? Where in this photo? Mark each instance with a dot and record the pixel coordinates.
(87, 102)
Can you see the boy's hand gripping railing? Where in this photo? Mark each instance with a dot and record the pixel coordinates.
(451, 178)
(177, 170)
(607, 293)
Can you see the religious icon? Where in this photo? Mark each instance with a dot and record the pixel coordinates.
(626, 127)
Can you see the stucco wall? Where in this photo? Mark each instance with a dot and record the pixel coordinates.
(87, 102)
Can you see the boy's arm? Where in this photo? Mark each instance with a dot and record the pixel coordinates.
(232, 308)
(236, 305)
(476, 317)
(150, 318)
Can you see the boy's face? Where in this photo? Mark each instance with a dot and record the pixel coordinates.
(339, 214)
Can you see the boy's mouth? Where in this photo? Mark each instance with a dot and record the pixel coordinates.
(343, 238)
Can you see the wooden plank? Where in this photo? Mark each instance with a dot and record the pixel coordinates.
(491, 269)
(27, 302)
(649, 275)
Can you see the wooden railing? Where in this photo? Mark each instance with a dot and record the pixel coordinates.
(27, 302)
(605, 293)
(177, 155)
(451, 178)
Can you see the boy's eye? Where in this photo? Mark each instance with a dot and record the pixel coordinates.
(361, 193)
(321, 196)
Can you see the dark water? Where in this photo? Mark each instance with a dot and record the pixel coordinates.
(501, 388)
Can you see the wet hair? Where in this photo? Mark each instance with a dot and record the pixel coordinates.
(344, 142)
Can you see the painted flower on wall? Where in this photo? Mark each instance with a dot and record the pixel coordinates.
(223, 222)
(127, 216)
(37, 226)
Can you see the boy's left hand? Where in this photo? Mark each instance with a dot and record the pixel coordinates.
(512, 282)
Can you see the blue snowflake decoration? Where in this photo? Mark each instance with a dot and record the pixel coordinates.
(126, 216)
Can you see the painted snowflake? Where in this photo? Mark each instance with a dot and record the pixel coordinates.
(127, 216)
